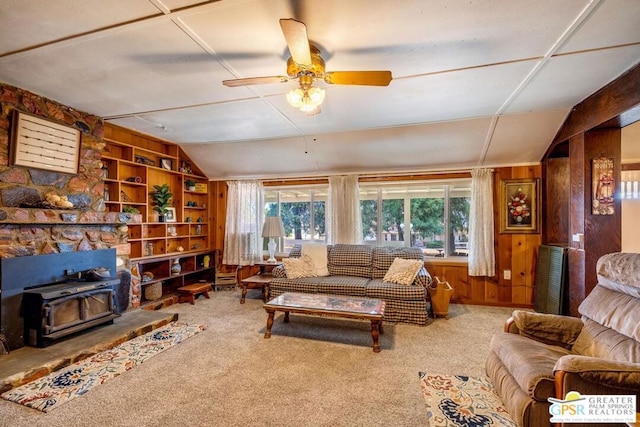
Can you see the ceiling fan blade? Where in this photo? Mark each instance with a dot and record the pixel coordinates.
(295, 34)
(367, 78)
(255, 81)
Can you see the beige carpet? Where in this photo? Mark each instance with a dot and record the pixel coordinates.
(311, 372)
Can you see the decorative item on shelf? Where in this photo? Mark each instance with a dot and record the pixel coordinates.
(124, 197)
(135, 179)
(166, 163)
(104, 172)
(190, 184)
(171, 215)
(161, 199)
(57, 202)
(205, 261)
(148, 249)
(130, 209)
(185, 167)
(176, 268)
(198, 229)
(200, 219)
(272, 228)
(172, 230)
(105, 195)
(180, 249)
(153, 291)
(147, 276)
(144, 160)
(188, 219)
(201, 188)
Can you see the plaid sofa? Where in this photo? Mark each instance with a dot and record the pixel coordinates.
(358, 270)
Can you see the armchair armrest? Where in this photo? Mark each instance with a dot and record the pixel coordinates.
(279, 272)
(593, 375)
(550, 329)
(423, 278)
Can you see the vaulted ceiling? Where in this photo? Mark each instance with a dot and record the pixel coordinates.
(475, 82)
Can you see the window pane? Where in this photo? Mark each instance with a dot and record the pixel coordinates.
(393, 221)
(319, 221)
(427, 220)
(369, 217)
(459, 202)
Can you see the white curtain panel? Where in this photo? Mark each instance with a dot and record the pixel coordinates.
(344, 223)
(245, 216)
(481, 255)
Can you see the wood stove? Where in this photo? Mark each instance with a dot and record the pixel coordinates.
(55, 311)
(42, 300)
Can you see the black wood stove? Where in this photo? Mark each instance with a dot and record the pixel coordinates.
(55, 311)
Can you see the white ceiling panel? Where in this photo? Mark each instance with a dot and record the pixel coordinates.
(596, 32)
(29, 23)
(459, 66)
(564, 81)
(509, 145)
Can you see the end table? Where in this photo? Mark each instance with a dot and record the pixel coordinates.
(259, 281)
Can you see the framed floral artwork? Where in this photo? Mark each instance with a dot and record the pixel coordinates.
(519, 210)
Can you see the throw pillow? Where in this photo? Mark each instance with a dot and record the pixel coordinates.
(403, 271)
(318, 253)
(299, 267)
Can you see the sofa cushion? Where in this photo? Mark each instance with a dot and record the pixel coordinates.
(299, 267)
(376, 288)
(599, 341)
(383, 258)
(529, 362)
(302, 284)
(318, 254)
(614, 310)
(350, 260)
(403, 271)
(619, 272)
(342, 285)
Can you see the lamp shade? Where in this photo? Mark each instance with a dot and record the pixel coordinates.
(273, 227)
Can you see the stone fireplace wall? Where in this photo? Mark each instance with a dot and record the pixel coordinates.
(32, 231)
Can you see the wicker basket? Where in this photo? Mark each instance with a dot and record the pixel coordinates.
(153, 291)
(440, 294)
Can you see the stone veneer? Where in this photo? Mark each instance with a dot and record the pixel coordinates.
(29, 231)
(33, 231)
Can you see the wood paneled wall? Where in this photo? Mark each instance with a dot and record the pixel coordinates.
(515, 252)
(592, 130)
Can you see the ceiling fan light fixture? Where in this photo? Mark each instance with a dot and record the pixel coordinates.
(307, 100)
(296, 97)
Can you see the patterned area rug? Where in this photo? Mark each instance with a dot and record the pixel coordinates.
(458, 400)
(57, 388)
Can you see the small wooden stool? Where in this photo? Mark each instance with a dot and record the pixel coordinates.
(189, 293)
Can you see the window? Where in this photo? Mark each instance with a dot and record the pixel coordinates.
(302, 211)
(433, 216)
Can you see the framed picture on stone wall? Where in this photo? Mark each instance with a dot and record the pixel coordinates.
(519, 210)
(43, 144)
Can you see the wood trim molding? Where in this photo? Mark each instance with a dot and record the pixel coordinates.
(616, 104)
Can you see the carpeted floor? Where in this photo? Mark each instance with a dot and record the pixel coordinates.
(51, 391)
(311, 372)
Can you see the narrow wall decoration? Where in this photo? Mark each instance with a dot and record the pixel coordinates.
(603, 186)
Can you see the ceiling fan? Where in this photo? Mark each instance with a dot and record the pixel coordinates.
(306, 65)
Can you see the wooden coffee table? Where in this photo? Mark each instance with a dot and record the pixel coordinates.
(325, 305)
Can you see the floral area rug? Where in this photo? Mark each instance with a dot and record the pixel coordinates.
(458, 400)
(57, 388)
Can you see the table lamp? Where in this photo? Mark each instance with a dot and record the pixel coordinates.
(272, 228)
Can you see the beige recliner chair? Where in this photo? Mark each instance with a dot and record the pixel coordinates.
(544, 355)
